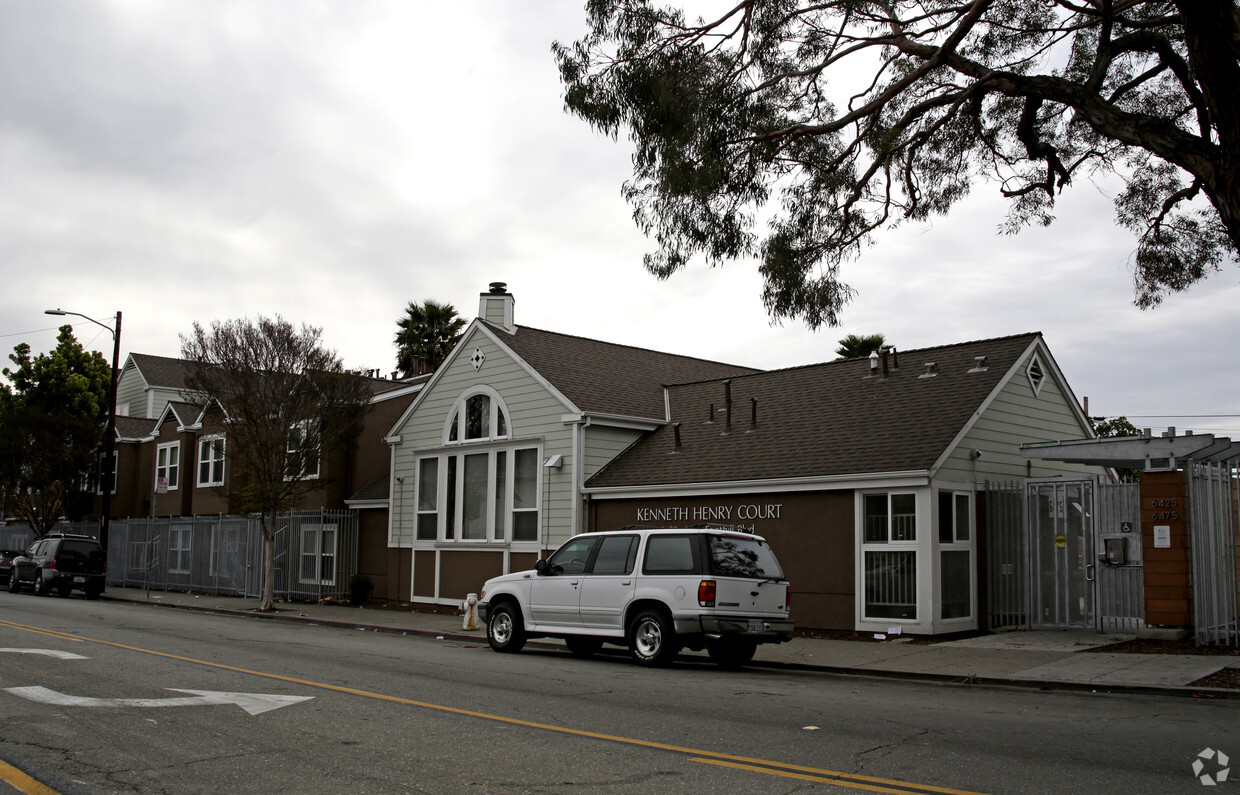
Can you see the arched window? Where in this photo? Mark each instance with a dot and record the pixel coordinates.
(477, 416)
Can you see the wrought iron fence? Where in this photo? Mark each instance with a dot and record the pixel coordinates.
(315, 554)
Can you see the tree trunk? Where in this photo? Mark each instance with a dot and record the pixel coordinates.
(269, 563)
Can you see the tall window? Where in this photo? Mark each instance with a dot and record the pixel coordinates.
(955, 555)
(180, 541)
(488, 495)
(211, 461)
(168, 463)
(318, 554)
(889, 523)
(302, 452)
(110, 478)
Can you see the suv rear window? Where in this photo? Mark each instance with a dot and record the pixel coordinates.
(79, 549)
(670, 555)
(742, 556)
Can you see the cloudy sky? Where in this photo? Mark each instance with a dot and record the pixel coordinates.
(331, 161)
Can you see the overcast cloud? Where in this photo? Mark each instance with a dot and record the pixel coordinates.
(331, 161)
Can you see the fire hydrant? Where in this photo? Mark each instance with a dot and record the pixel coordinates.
(470, 608)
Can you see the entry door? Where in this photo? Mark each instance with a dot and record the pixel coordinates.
(1061, 522)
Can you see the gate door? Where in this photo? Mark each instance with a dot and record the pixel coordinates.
(1061, 537)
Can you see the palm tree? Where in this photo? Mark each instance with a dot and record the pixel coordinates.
(425, 336)
(854, 347)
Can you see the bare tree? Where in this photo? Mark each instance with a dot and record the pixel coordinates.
(290, 407)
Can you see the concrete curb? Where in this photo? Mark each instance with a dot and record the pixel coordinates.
(876, 673)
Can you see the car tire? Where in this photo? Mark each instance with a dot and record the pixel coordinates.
(731, 652)
(583, 645)
(93, 591)
(652, 638)
(15, 585)
(40, 587)
(505, 629)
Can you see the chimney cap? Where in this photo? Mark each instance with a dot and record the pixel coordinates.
(498, 288)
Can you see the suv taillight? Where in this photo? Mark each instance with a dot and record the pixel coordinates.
(788, 600)
(706, 593)
(51, 564)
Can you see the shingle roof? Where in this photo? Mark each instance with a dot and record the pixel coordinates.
(377, 489)
(820, 420)
(160, 371)
(606, 378)
(134, 427)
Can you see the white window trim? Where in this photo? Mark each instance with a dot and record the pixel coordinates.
(317, 531)
(456, 416)
(222, 459)
(921, 610)
(955, 545)
(167, 466)
(441, 497)
(181, 554)
(318, 460)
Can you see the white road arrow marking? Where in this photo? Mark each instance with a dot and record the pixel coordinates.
(253, 703)
(60, 655)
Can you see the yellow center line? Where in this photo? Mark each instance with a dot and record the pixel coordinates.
(854, 780)
(22, 782)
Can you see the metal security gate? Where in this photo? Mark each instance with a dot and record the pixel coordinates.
(1063, 554)
(1121, 576)
(1216, 593)
(1061, 546)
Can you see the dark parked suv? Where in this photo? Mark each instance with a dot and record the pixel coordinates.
(59, 563)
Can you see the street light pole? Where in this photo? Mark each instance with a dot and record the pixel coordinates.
(107, 473)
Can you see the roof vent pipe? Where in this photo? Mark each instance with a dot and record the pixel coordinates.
(753, 413)
(932, 369)
(883, 353)
(676, 430)
(710, 419)
(873, 363)
(895, 360)
(727, 405)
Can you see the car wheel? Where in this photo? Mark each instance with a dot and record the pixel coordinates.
(583, 645)
(65, 589)
(14, 585)
(652, 640)
(40, 587)
(505, 630)
(93, 592)
(731, 652)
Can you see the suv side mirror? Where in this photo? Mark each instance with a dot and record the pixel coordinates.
(541, 567)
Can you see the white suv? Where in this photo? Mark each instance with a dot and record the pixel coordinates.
(654, 590)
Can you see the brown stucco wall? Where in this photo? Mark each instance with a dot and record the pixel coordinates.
(463, 572)
(812, 533)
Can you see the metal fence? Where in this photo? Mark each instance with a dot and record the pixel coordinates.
(1216, 593)
(16, 538)
(315, 554)
(1007, 557)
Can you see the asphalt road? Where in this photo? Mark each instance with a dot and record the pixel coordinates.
(371, 712)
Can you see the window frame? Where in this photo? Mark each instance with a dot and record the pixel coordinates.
(207, 443)
(903, 552)
(180, 547)
(304, 473)
(498, 420)
(951, 506)
(500, 507)
(163, 463)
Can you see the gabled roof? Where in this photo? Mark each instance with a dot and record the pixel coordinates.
(606, 378)
(186, 414)
(161, 371)
(824, 420)
(134, 429)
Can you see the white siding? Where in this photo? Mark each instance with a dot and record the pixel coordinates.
(1014, 417)
(604, 443)
(534, 415)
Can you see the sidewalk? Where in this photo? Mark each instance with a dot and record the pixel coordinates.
(1041, 659)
